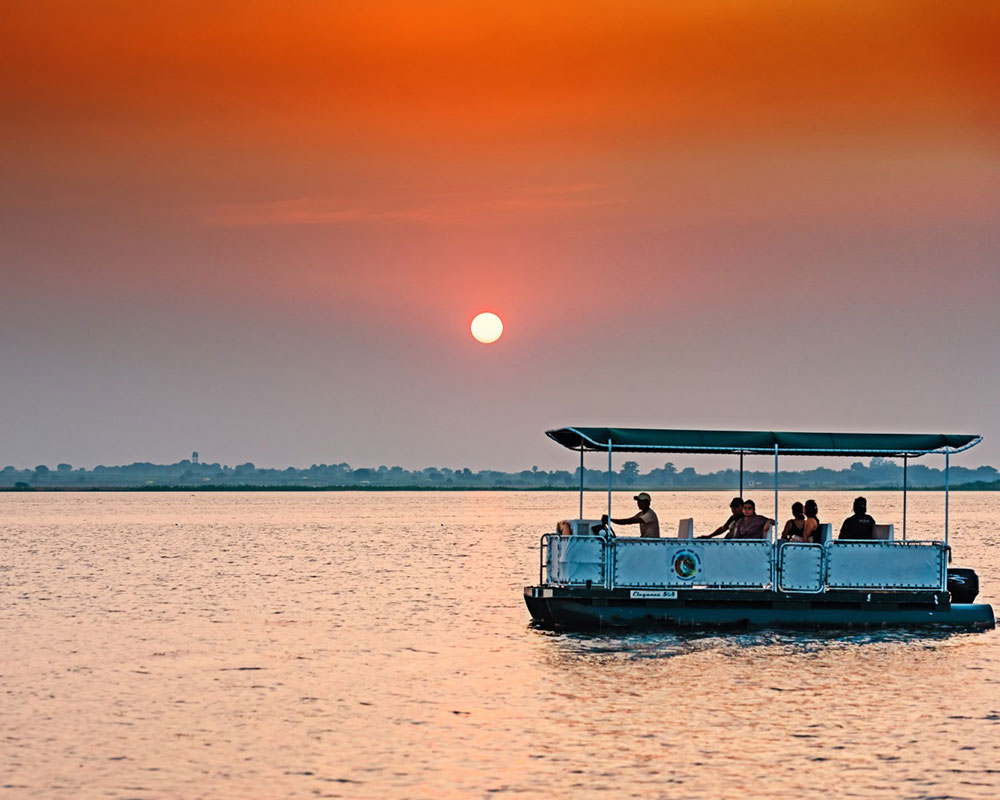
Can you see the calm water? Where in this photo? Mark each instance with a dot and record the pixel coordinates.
(376, 645)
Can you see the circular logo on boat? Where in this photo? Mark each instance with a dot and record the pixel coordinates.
(686, 564)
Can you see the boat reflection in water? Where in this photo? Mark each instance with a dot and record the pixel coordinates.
(593, 579)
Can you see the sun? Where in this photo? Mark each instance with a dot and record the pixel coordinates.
(486, 327)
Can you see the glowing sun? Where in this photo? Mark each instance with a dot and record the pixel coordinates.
(486, 327)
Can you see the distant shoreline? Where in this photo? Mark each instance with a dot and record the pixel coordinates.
(967, 487)
(193, 475)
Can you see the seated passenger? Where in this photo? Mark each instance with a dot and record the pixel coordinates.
(563, 528)
(860, 525)
(810, 530)
(736, 507)
(794, 527)
(753, 525)
(646, 519)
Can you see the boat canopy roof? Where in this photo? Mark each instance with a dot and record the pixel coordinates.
(652, 440)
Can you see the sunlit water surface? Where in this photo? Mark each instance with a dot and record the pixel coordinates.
(377, 645)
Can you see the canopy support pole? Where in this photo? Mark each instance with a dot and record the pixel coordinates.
(741, 475)
(581, 482)
(905, 459)
(609, 480)
(775, 489)
(947, 460)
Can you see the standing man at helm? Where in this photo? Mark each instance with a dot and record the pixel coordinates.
(646, 519)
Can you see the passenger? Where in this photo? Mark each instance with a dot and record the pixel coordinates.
(753, 525)
(793, 528)
(860, 525)
(736, 507)
(649, 525)
(810, 530)
(563, 528)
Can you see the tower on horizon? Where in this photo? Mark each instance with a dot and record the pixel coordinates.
(194, 457)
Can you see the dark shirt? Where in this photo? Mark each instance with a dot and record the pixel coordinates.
(793, 529)
(730, 524)
(859, 526)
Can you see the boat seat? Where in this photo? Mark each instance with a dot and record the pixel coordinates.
(582, 527)
(825, 532)
(884, 532)
(685, 529)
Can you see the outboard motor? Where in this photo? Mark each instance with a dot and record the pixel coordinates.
(963, 584)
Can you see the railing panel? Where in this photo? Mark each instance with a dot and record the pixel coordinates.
(574, 560)
(669, 563)
(672, 563)
(801, 567)
(886, 565)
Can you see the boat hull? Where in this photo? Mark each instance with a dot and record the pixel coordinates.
(597, 609)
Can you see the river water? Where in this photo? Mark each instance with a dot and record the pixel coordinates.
(376, 645)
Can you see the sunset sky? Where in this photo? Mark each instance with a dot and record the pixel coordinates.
(260, 230)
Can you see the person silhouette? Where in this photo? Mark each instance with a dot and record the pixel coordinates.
(646, 519)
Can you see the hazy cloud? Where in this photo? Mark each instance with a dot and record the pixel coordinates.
(529, 202)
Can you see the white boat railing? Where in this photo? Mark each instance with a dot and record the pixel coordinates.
(801, 567)
(678, 563)
(748, 564)
(887, 565)
(574, 560)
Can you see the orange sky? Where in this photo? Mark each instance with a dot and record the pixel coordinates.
(390, 166)
(607, 74)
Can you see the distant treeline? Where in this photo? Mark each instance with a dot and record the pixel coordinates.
(880, 473)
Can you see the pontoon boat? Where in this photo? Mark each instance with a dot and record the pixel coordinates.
(594, 579)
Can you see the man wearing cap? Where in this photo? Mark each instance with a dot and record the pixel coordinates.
(649, 525)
